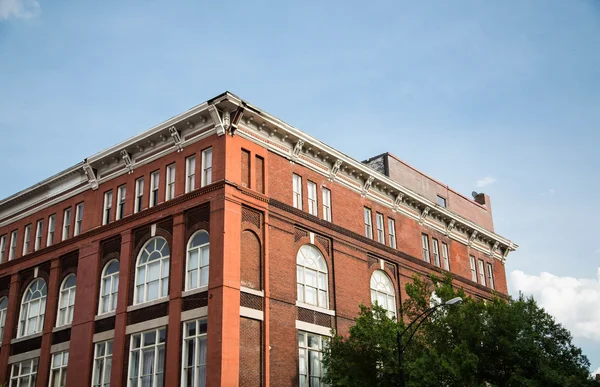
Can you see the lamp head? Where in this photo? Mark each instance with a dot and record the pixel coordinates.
(455, 300)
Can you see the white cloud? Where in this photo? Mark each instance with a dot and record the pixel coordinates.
(21, 9)
(572, 301)
(596, 372)
(485, 181)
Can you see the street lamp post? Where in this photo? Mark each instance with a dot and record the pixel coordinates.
(422, 317)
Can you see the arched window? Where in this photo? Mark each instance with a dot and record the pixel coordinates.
(311, 274)
(198, 251)
(3, 308)
(109, 287)
(383, 293)
(66, 301)
(33, 307)
(152, 271)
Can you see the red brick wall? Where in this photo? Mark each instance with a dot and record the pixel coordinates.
(250, 353)
(250, 264)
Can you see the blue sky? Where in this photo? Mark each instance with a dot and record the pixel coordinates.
(504, 94)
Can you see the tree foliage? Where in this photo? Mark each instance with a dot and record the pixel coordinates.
(504, 342)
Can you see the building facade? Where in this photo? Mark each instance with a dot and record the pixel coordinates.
(220, 248)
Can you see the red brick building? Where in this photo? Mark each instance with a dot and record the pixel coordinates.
(219, 248)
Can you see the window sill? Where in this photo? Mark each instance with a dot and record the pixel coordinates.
(61, 328)
(104, 315)
(194, 291)
(25, 338)
(315, 308)
(147, 304)
(259, 293)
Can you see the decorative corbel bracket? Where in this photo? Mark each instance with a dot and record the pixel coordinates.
(450, 227)
(424, 215)
(472, 237)
(505, 255)
(214, 115)
(367, 186)
(237, 116)
(494, 248)
(398, 202)
(335, 168)
(176, 138)
(127, 159)
(297, 149)
(91, 175)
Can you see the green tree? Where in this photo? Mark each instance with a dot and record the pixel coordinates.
(504, 342)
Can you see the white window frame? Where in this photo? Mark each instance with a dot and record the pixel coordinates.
(78, 219)
(2, 247)
(368, 217)
(311, 189)
(143, 350)
(66, 223)
(39, 229)
(101, 371)
(107, 207)
(297, 191)
(121, 197)
(170, 182)
(445, 256)
(310, 261)
(380, 228)
(139, 195)
(66, 301)
(109, 299)
(12, 252)
(199, 271)
(206, 167)
(25, 318)
(473, 268)
(163, 275)
(383, 292)
(154, 186)
(27, 239)
(392, 233)
(3, 310)
(195, 343)
(51, 229)
(490, 275)
(436, 252)
(17, 379)
(326, 193)
(481, 268)
(304, 349)
(58, 369)
(190, 173)
(425, 244)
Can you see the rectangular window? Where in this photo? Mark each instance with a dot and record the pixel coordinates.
(245, 168)
(190, 173)
(2, 248)
(66, 223)
(368, 223)
(326, 204)
(24, 373)
(259, 174)
(147, 358)
(78, 219)
(481, 272)
(27, 239)
(139, 194)
(206, 167)
(297, 191)
(490, 275)
(194, 354)
(13, 245)
(170, 191)
(425, 242)
(312, 198)
(154, 181)
(380, 228)
(392, 232)
(441, 201)
(39, 229)
(473, 269)
(436, 252)
(310, 357)
(51, 225)
(102, 364)
(445, 256)
(107, 207)
(121, 195)
(58, 369)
